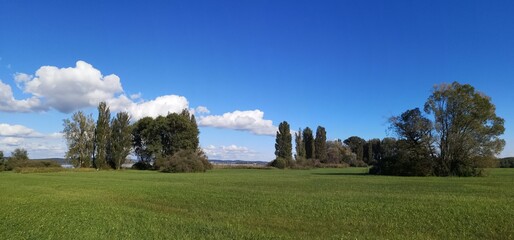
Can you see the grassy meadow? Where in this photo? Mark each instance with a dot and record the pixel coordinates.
(255, 204)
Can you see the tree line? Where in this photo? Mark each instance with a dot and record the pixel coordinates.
(167, 143)
(458, 136)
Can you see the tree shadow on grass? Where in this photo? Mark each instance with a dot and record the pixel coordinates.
(341, 174)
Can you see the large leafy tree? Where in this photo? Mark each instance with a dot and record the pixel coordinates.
(356, 144)
(308, 140)
(79, 134)
(147, 140)
(102, 135)
(283, 142)
(121, 139)
(164, 136)
(413, 155)
(320, 144)
(468, 129)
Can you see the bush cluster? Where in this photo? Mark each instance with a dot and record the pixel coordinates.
(184, 161)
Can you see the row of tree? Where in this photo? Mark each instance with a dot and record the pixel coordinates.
(461, 139)
(105, 144)
(155, 142)
(310, 151)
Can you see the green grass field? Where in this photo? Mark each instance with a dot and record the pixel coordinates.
(255, 204)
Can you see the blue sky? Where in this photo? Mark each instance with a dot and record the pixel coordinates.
(345, 65)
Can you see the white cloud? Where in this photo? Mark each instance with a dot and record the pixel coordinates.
(68, 89)
(9, 104)
(38, 145)
(202, 110)
(73, 88)
(231, 152)
(252, 121)
(7, 130)
(10, 141)
(160, 106)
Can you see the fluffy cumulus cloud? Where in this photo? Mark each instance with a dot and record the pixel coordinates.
(160, 106)
(231, 152)
(9, 104)
(73, 88)
(68, 89)
(252, 121)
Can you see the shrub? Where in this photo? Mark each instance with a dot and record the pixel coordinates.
(142, 166)
(279, 163)
(185, 161)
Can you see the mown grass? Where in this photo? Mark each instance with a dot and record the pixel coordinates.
(254, 204)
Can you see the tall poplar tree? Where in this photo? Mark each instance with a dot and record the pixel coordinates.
(300, 146)
(121, 139)
(283, 143)
(102, 135)
(320, 144)
(308, 140)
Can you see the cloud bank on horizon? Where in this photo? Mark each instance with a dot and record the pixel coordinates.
(82, 86)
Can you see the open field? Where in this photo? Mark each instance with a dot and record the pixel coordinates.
(255, 204)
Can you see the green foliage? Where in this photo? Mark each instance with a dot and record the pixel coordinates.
(413, 154)
(308, 140)
(121, 139)
(356, 144)
(146, 140)
(19, 158)
(254, 204)
(338, 153)
(300, 146)
(279, 163)
(79, 133)
(164, 136)
(2, 161)
(467, 129)
(506, 162)
(320, 144)
(283, 144)
(102, 137)
(184, 161)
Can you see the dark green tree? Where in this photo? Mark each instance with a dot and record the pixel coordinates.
(308, 140)
(2, 161)
(320, 144)
(162, 137)
(283, 143)
(121, 139)
(413, 155)
(468, 129)
(146, 140)
(356, 144)
(102, 135)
